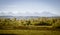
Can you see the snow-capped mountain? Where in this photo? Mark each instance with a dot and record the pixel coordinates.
(42, 14)
(47, 14)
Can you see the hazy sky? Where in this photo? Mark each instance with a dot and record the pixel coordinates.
(29, 7)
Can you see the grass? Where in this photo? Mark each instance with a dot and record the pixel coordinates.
(24, 27)
(30, 32)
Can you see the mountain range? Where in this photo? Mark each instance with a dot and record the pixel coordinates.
(42, 14)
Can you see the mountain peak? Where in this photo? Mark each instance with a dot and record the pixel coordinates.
(47, 14)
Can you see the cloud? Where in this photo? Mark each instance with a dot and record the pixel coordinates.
(30, 8)
(44, 13)
(47, 14)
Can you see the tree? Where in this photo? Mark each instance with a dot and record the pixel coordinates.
(56, 24)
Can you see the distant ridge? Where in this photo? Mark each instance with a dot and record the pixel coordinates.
(35, 15)
(47, 14)
(18, 17)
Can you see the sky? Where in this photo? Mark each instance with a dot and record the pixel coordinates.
(29, 7)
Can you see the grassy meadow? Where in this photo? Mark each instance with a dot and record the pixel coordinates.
(29, 32)
(31, 26)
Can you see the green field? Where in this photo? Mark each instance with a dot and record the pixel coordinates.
(30, 32)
